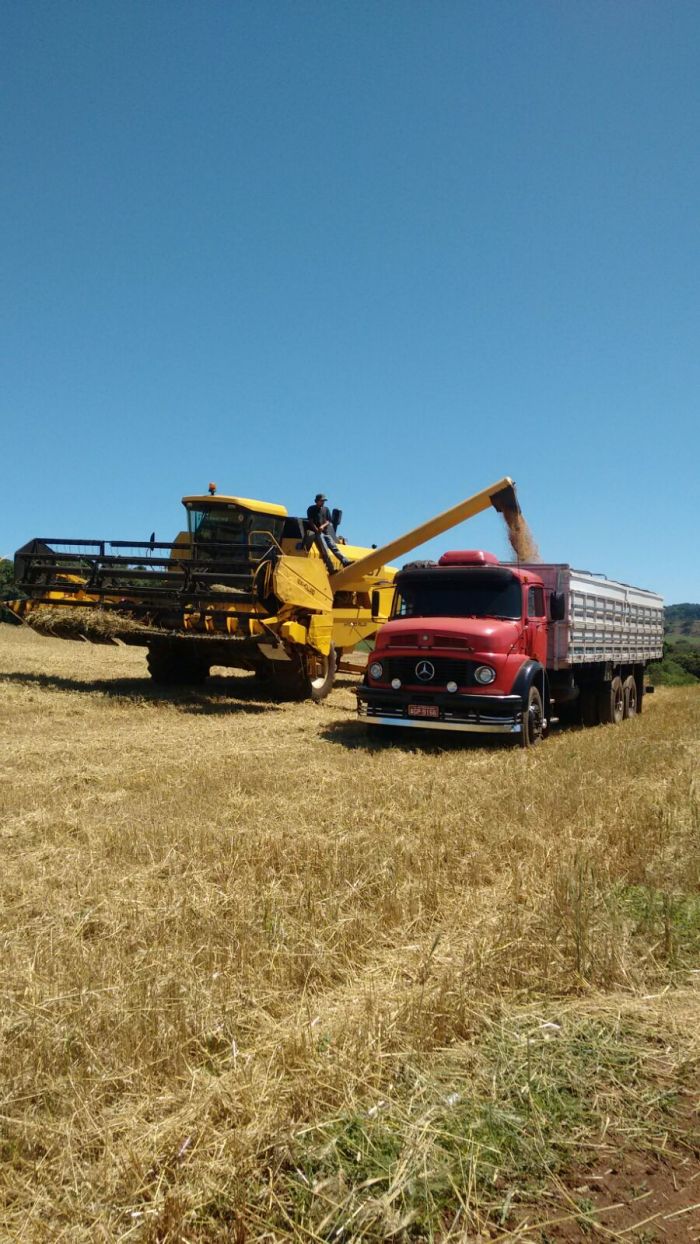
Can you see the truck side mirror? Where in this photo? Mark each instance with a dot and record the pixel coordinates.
(557, 606)
(336, 518)
(376, 604)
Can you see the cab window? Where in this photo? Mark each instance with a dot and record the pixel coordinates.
(465, 593)
(218, 527)
(535, 602)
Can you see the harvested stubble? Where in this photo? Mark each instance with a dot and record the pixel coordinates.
(264, 979)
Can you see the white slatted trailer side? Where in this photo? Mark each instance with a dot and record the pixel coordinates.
(605, 622)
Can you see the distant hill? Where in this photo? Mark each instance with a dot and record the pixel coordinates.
(683, 622)
(681, 659)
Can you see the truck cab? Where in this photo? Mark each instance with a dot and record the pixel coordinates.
(466, 639)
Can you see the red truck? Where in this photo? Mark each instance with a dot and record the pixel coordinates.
(489, 647)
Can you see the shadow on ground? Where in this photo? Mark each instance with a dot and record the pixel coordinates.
(218, 695)
(355, 734)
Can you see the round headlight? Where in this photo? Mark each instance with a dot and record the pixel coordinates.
(396, 683)
(376, 669)
(484, 674)
(452, 686)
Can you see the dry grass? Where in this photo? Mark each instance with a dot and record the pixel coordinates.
(265, 978)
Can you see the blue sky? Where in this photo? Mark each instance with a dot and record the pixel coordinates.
(390, 250)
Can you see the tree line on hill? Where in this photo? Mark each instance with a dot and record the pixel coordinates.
(8, 591)
(683, 619)
(679, 666)
(681, 660)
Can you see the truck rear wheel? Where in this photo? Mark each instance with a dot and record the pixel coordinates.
(611, 702)
(630, 690)
(169, 667)
(532, 729)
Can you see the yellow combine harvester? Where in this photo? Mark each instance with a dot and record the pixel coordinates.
(245, 586)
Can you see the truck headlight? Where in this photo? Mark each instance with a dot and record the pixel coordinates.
(376, 670)
(484, 674)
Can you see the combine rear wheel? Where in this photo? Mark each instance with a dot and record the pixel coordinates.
(170, 667)
(611, 702)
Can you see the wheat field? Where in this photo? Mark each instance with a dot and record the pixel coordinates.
(267, 977)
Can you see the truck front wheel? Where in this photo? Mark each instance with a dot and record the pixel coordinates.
(532, 729)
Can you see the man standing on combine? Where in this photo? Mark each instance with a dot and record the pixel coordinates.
(321, 525)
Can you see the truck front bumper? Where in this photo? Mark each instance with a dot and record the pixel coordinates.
(477, 714)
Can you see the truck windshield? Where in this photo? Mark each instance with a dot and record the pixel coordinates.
(469, 594)
(231, 524)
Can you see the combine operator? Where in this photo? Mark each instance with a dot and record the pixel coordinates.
(321, 526)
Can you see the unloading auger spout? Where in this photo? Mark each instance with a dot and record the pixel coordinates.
(500, 495)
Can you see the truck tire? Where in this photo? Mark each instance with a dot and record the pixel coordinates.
(630, 691)
(532, 731)
(170, 668)
(589, 707)
(308, 676)
(611, 702)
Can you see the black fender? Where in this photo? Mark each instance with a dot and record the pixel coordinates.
(532, 672)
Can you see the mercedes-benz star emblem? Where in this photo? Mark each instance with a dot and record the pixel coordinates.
(425, 670)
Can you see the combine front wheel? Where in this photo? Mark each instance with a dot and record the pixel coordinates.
(321, 674)
(307, 676)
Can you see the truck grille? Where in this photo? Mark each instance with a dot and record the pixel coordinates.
(461, 672)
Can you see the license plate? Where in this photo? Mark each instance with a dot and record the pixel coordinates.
(423, 710)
